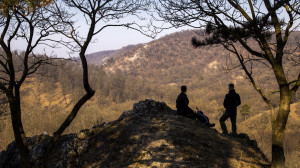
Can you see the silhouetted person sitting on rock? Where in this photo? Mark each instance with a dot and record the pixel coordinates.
(231, 101)
(182, 105)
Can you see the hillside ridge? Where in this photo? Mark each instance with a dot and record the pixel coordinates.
(149, 135)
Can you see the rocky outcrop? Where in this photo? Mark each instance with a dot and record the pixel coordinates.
(147, 107)
(149, 135)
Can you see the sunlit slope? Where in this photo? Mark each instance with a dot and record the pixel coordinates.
(45, 95)
(259, 127)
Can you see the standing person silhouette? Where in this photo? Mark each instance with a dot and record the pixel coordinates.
(231, 101)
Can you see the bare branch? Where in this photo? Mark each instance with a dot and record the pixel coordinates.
(3, 106)
(296, 86)
(4, 65)
(3, 88)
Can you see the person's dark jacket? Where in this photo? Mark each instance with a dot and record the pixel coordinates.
(182, 104)
(231, 101)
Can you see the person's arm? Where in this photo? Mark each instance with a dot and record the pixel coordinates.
(225, 103)
(177, 102)
(186, 104)
(238, 100)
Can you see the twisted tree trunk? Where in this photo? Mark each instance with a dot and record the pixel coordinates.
(19, 133)
(278, 128)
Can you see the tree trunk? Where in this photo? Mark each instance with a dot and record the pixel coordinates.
(278, 128)
(19, 133)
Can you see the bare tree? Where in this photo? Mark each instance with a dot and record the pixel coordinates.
(25, 21)
(98, 15)
(231, 23)
(35, 22)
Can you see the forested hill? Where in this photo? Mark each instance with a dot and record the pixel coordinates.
(173, 59)
(102, 57)
(170, 59)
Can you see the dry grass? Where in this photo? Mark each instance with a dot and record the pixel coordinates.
(259, 127)
(45, 112)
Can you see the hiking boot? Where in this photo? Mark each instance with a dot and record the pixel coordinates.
(210, 124)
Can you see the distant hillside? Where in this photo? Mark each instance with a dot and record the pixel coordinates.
(150, 135)
(102, 57)
(173, 59)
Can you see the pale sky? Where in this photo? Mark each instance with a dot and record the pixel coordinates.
(111, 38)
(118, 37)
(115, 38)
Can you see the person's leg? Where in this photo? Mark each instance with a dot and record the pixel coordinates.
(207, 123)
(192, 115)
(189, 114)
(222, 120)
(205, 118)
(233, 123)
(201, 118)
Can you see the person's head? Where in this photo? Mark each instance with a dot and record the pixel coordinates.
(231, 86)
(183, 88)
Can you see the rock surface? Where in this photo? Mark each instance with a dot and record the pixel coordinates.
(149, 135)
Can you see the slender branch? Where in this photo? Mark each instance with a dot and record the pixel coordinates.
(5, 29)
(243, 12)
(3, 88)
(252, 10)
(290, 24)
(4, 79)
(297, 84)
(79, 6)
(15, 31)
(4, 66)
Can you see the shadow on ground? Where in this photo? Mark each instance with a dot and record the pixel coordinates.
(163, 139)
